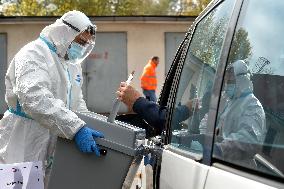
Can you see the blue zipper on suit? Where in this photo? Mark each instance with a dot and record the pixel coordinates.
(18, 111)
(51, 46)
(69, 89)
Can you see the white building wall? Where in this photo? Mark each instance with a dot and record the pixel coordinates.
(144, 39)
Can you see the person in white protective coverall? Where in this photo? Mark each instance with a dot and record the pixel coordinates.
(241, 121)
(43, 88)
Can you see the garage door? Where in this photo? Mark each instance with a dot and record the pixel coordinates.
(3, 68)
(104, 69)
(173, 39)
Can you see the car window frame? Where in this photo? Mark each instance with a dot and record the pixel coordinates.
(216, 88)
(164, 94)
(228, 166)
(218, 81)
(175, 74)
(167, 86)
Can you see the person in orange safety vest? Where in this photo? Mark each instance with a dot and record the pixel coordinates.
(149, 79)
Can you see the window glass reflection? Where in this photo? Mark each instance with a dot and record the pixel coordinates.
(250, 125)
(189, 119)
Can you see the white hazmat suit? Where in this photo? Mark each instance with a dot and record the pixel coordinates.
(241, 123)
(42, 90)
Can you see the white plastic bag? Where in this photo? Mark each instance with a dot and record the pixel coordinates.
(26, 175)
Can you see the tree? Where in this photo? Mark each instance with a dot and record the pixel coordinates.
(208, 39)
(188, 7)
(141, 7)
(24, 8)
(56, 7)
(103, 7)
(241, 48)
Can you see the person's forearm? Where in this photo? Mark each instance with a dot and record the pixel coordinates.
(151, 112)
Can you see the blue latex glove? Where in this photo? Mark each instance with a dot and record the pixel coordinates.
(85, 140)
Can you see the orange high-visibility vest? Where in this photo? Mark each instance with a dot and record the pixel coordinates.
(148, 78)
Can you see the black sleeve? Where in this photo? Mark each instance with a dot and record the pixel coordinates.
(181, 113)
(151, 112)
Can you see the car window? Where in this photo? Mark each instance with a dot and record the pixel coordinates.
(250, 122)
(189, 117)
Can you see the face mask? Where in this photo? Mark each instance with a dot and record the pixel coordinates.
(75, 51)
(230, 90)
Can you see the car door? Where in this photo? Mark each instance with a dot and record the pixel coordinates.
(215, 139)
